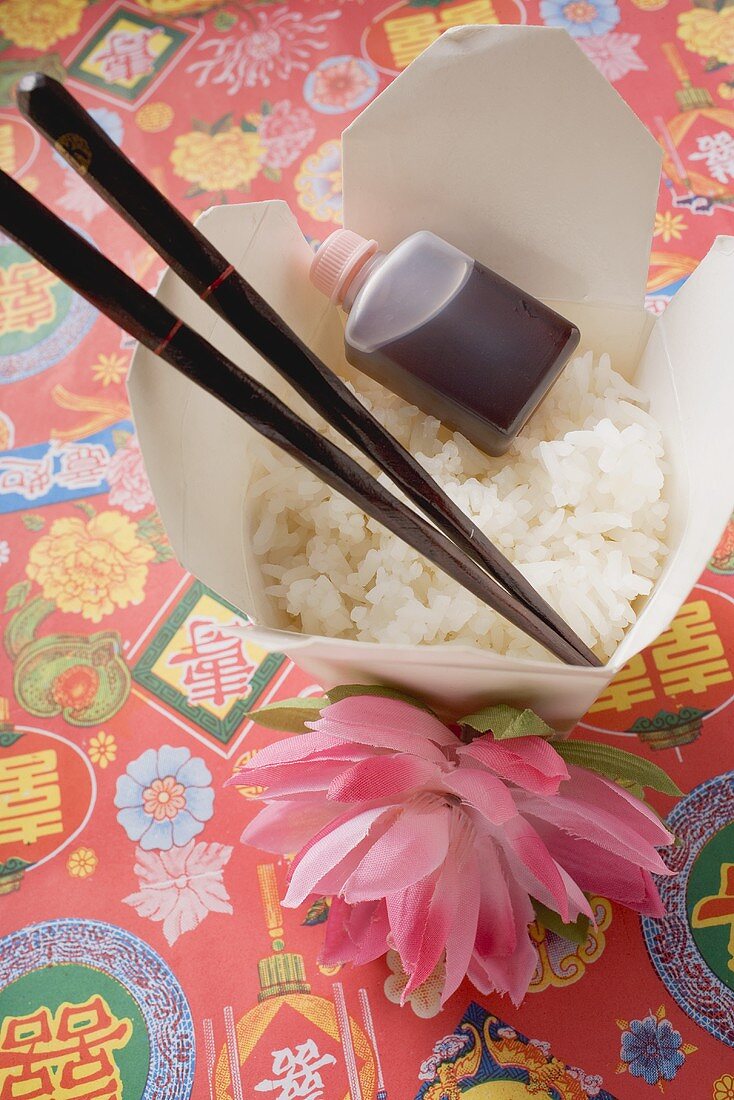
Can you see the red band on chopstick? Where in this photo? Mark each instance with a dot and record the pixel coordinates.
(217, 282)
(167, 339)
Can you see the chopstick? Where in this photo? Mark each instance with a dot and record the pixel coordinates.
(86, 147)
(145, 318)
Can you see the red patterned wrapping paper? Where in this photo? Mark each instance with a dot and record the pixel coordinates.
(148, 956)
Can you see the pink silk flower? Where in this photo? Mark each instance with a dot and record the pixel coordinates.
(435, 848)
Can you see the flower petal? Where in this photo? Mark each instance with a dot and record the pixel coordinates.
(200, 802)
(285, 780)
(382, 777)
(145, 769)
(184, 826)
(358, 933)
(134, 821)
(372, 939)
(408, 912)
(439, 919)
(412, 847)
(462, 934)
(485, 792)
(510, 973)
(604, 794)
(529, 762)
(338, 946)
(496, 926)
(128, 793)
(284, 827)
(585, 820)
(327, 850)
(170, 759)
(532, 865)
(192, 773)
(599, 871)
(291, 749)
(159, 834)
(386, 723)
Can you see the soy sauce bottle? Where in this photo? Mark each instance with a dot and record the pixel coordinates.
(444, 332)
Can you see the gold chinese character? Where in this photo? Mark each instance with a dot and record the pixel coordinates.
(30, 798)
(690, 655)
(26, 301)
(67, 1055)
(630, 687)
(476, 11)
(410, 36)
(718, 909)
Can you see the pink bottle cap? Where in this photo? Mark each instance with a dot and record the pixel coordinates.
(338, 260)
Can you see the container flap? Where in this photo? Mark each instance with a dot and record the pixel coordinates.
(688, 371)
(195, 449)
(507, 142)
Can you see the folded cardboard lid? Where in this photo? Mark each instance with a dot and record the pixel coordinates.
(507, 142)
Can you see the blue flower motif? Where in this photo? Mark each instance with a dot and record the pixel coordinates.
(581, 18)
(164, 798)
(652, 1050)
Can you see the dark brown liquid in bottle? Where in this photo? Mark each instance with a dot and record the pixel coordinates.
(482, 364)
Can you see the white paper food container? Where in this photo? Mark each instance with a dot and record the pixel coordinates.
(507, 142)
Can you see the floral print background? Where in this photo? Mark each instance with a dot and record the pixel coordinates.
(124, 703)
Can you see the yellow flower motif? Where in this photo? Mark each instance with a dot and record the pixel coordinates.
(218, 162)
(724, 1088)
(177, 7)
(102, 749)
(109, 368)
(708, 33)
(40, 24)
(669, 226)
(91, 567)
(154, 117)
(82, 863)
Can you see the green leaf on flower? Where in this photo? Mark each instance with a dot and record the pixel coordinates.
(267, 108)
(289, 715)
(318, 912)
(577, 931)
(151, 529)
(273, 174)
(223, 123)
(17, 595)
(248, 127)
(33, 522)
(622, 767)
(506, 722)
(84, 506)
(346, 691)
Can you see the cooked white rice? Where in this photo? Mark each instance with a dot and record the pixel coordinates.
(577, 503)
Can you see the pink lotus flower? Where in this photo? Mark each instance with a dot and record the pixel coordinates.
(129, 485)
(285, 132)
(435, 848)
(181, 887)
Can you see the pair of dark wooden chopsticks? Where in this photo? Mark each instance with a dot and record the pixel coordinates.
(466, 555)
